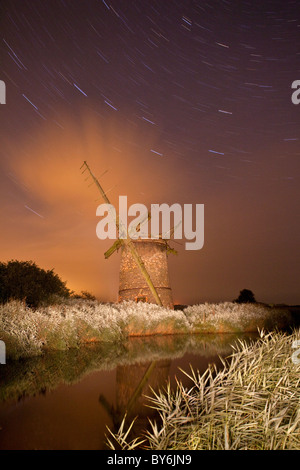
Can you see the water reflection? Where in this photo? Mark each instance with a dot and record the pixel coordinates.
(133, 385)
(65, 400)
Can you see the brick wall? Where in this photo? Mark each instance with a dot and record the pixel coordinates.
(133, 286)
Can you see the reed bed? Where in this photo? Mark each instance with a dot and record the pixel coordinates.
(251, 403)
(231, 317)
(29, 332)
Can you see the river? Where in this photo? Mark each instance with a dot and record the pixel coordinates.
(67, 399)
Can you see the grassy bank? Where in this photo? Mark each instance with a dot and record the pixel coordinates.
(28, 332)
(251, 404)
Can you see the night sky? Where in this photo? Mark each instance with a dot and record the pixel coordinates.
(181, 101)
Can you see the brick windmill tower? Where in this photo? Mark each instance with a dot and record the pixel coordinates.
(144, 275)
(133, 285)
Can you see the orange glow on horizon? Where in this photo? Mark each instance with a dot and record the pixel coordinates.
(50, 212)
(56, 210)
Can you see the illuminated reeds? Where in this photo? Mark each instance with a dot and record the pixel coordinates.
(252, 403)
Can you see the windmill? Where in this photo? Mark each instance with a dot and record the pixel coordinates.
(143, 269)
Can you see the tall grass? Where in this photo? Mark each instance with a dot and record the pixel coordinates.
(28, 332)
(231, 317)
(252, 403)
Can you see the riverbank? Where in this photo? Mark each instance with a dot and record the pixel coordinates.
(31, 376)
(250, 404)
(27, 332)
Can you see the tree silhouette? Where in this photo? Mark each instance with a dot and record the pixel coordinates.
(24, 280)
(246, 296)
(85, 295)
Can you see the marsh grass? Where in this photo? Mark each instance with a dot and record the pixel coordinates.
(231, 317)
(62, 326)
(251, 403)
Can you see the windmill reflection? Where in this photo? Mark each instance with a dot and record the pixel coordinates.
(133, 384)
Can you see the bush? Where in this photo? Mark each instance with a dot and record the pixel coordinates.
(24, 280)
(85, 295)
(246, 297)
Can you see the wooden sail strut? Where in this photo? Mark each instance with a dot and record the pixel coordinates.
(128, 241)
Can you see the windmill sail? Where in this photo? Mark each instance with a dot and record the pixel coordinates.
(127, 241)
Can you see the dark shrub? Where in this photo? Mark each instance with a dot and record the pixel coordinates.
(246, 296)
(24, 280)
